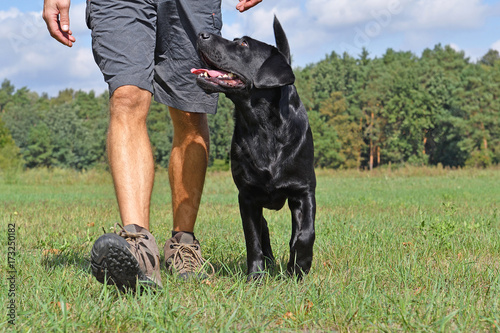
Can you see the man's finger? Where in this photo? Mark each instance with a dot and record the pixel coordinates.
(64, 37)
(64, 18)
(247, 4)
(56, 16)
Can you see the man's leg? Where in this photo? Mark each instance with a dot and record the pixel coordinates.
(124, 52)
(130, 155)
(181, 21)
(187, 169)
(188, 165)
(129, 255)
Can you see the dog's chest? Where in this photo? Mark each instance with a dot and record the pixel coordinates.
(265, 159)
(261, 147)
(271, 152)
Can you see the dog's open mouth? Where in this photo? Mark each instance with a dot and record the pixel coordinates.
(219, 77)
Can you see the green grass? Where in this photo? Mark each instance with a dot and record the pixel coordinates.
(413, 249)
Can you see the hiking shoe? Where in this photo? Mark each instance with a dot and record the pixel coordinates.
(127, 257)
(183, 257)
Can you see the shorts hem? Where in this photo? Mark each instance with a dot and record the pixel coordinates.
(128, 80)
(208, 104)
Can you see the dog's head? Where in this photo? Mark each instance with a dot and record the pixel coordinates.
(244, 63)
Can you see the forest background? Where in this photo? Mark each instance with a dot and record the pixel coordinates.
(436, 109)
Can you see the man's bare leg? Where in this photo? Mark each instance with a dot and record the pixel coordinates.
(130, 155)
(188, 165)
(120, 258)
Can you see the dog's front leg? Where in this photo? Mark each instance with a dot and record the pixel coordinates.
(265, 241)
(251, 217)
(303, 210)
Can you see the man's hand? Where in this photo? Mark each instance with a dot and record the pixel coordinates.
(246, 4)
(56, 16)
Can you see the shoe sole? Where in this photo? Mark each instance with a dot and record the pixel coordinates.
(113, 263)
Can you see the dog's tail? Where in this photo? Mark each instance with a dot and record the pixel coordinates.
(281, 40)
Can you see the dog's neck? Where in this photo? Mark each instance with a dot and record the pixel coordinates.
(260, 107)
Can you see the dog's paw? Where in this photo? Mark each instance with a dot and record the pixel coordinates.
(256, 277)
(294, 270)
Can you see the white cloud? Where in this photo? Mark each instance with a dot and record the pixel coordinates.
(30, 57)
(496, 45)
(233, 30)
(11, 13)
(304, 37)
(229, 4)
(77, 19)
(254, 23)
(80, 63)
(398, 15)
(343, 13)
(455, 47)
(448, 14)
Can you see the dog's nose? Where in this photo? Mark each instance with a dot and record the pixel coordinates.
(204, 35)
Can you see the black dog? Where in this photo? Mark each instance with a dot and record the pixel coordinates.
(272, 149)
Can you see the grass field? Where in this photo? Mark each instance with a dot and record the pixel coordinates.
(401, 250)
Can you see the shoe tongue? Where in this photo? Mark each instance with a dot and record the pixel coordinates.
(186, 238)
(133, 228)
(136, 229)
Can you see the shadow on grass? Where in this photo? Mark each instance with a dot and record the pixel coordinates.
(69, 257)
(238, 268)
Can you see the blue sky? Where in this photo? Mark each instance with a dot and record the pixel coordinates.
(29, 57)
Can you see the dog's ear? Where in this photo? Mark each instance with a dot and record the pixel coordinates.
(274, 72)
(281, 40)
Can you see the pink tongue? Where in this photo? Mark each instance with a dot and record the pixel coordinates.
(210, 72)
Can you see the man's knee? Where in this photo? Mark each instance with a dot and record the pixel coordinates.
(189, 125)
(130, 103)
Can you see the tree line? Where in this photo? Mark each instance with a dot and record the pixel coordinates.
(439, 108)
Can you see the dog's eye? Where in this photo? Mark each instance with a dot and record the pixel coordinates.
(243, 43)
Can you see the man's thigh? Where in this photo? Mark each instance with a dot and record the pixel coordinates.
(123, 41)
(179, 23)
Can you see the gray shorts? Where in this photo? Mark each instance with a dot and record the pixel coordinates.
(151, 44)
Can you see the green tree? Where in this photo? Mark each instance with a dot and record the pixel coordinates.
(490, 58)
(6, 91)
(161, 133)
(19, 119)
(9, 152)
(334, 111)
(364, 112)
(221, 128)
(39, 149)
(327, 147)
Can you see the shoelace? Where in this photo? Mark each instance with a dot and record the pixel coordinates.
(188, 259)
(129, 235)
(126, 234)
